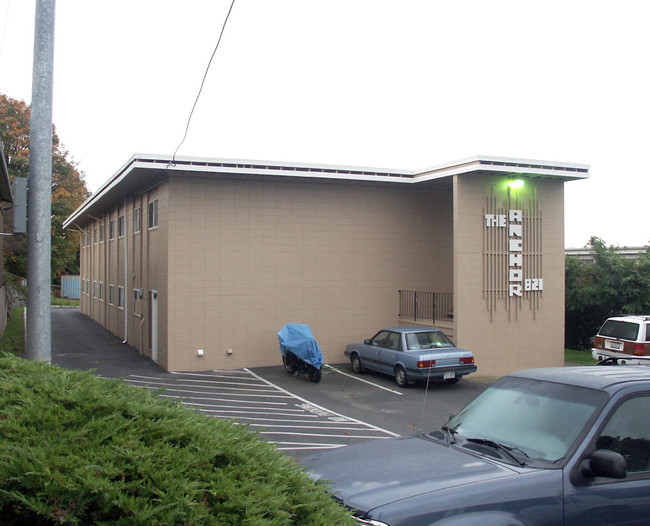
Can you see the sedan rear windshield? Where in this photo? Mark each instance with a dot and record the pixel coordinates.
(417, 341)
(621, 330)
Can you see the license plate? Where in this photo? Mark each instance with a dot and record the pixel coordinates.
(614, 346)
(449, 374)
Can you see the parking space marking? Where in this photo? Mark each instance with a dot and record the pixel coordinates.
(290, 422)
(362, 380)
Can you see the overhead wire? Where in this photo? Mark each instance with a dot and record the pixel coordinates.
(205, 75)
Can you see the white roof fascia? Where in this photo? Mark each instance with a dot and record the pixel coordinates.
(112, 182)
(284, 173)
(335, 172)
(203, 161)
(505, 165)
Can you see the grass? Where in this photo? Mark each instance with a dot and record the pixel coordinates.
(13, 340)
(67, 302)
(581, 357)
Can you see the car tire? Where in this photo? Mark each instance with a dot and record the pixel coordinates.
(289, 362)
(313, 373)
(401, 378)
(453, 380)
(357, 366)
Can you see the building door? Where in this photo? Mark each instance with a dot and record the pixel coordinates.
(153, 324)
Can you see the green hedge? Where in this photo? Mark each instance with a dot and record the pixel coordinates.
(78, 449)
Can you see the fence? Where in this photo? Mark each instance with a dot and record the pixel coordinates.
(70, 287)
(426, 305)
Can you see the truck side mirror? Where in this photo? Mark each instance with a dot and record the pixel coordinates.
(604, 463)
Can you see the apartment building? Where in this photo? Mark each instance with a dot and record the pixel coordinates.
(216, 255)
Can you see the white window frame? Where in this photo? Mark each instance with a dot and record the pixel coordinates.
(152, 214)
(101, 291)
(111, 229)
(136, 297)
(120, 226)
(120, 297)
(137, 220)
(111, 295)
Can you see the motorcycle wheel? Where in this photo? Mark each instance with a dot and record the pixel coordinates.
(314, 374)
(289, 362)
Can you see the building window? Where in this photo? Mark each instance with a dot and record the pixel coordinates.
(111, 229)
(95, 235)
(101, 291)
(120, 297)
(136, 296)
(94, 289)
(111, 295)
(136, 221)
(120, 226)
(101, 232)
(153, 214)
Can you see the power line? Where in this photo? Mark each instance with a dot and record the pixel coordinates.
(207, 69)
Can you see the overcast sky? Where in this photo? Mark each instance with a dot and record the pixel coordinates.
(404, 84)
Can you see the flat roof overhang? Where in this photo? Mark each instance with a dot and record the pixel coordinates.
(144, 171)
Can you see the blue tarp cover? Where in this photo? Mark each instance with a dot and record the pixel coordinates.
(299, 340)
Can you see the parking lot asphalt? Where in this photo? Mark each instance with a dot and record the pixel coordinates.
(299, 416)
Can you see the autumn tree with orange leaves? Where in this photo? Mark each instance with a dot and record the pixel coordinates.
(68, 191)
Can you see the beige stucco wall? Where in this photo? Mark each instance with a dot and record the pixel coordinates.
(246, 257)
(506, 340)
(144, 267)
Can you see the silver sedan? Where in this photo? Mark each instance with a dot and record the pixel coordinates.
(410, 354)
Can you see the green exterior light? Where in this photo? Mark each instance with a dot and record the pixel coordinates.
(516, 183)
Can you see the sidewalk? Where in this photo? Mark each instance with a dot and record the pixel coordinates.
(80, 343)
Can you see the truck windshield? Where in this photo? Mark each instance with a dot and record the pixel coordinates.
(542, 419)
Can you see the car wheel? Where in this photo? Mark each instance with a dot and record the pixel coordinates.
(357, 366)
(314, 374)
(400, 376)
(289, 362)
(453, 380)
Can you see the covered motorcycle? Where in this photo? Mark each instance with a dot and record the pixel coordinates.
(300, 350)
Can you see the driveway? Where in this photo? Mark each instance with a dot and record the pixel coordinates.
(301, 417)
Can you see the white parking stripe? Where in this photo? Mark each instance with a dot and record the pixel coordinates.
(319, 407)
(249, 400)
(364, 381)
(258, 390)
(149, 386)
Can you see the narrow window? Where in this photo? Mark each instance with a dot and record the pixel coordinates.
(136, 296)
(95, 235)
(120, 297)
(111, 229)
(94, 289)
(101, 291)
(101, 233)
(153, 214)
(136, 221)
(120, 226)
(111, 295)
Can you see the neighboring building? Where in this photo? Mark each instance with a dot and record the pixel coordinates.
(217, 255)
(5, 197)
(587, 254)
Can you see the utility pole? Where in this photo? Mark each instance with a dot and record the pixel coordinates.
(39, 206)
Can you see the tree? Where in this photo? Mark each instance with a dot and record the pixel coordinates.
(68, 191)
(609, 286)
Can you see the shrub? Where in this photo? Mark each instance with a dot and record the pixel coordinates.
(78, 449)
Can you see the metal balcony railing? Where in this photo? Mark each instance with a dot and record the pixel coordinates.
(421, 305)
